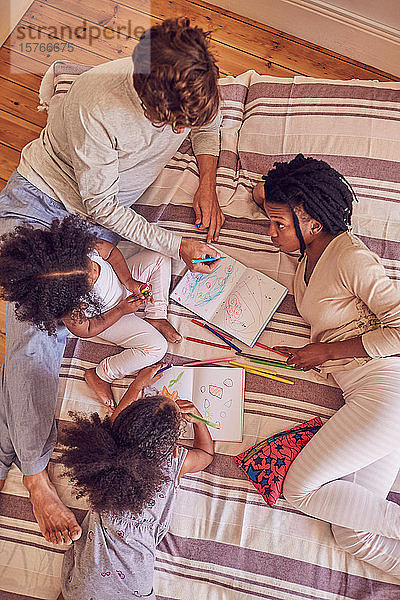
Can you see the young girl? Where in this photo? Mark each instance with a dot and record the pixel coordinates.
(342, 291)
(67, 274)
(129, 467)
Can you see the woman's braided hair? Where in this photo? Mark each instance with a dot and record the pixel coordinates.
(322, 192)
(121, 466)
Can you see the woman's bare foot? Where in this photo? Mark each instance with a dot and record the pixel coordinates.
(165, 327)
(101, 388)
(57, 523)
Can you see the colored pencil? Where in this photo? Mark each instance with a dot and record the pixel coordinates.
(262, 373)
(190, 339)
(206, 260)
(164, 369)
(274, 364)
(260, 345)
(225, 335)
(252, 368)
(209, 423)
(221, 337)
(198, 363)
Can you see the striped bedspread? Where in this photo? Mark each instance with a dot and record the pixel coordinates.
(225, 543)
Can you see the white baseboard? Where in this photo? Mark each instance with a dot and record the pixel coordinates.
(357, 36)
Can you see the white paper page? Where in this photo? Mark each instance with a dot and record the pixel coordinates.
(248, 306)
(175, 379)
(203, 293)
(218, 394)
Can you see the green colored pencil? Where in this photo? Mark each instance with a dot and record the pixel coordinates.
(273, 363)
(204, 421)
(267, 361)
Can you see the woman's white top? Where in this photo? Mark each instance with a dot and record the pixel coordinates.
(350, 295)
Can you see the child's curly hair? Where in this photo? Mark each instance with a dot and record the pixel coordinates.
(175, 74)
(121, 466)
(45, 272)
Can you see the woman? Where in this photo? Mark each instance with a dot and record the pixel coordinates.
(353, 308)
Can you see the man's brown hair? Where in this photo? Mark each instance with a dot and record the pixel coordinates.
(175, 74)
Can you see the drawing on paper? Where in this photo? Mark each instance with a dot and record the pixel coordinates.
(174, 395)
(210, 410)
(244, 307)
(176, 380)
(215, 390)
(202, 288)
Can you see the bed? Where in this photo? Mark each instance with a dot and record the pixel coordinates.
(224, 541)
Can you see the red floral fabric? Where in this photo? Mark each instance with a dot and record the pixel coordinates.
(267, 462)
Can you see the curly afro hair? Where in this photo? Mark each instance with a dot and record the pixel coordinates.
(175, 74)
(45, 272)
(121, 466)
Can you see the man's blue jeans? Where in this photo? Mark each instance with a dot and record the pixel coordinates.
(29, 374)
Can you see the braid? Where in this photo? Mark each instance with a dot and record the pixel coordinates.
(324, 193)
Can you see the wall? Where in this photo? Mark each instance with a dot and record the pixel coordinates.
(10, 13)
(366, 30)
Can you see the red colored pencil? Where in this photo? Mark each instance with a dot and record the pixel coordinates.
(260, 345)
(207, 343)
(229, 337)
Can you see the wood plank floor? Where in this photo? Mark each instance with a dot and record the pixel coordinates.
(238, 43)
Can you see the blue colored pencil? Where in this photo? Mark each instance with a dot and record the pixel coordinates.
(221, 337)
(206, 260)
(164, 369)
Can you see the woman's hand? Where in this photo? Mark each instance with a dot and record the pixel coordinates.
(186, 406)
(308, 356)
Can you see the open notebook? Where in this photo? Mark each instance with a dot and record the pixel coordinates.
(217, 392)
(236, 299)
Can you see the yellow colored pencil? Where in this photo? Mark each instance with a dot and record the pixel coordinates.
(262, 373)
(253, 368)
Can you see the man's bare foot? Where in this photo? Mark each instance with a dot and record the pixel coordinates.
(101, 388)
(2, 482)
(165, 327)
(57, 523)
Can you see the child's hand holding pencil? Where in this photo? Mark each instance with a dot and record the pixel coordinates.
(191, 414)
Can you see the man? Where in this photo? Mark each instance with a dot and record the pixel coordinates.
(106, 141)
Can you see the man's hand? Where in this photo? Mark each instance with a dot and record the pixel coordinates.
(208, 212)
(308, 356)
(191, 249)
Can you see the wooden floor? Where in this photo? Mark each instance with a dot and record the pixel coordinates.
(238, 43)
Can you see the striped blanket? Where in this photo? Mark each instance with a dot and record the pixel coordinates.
(224, 542)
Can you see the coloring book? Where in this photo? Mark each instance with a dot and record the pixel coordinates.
(236, 299)
(217, 392)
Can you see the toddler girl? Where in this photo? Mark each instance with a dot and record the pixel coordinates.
(67, 274)
(129, 467)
